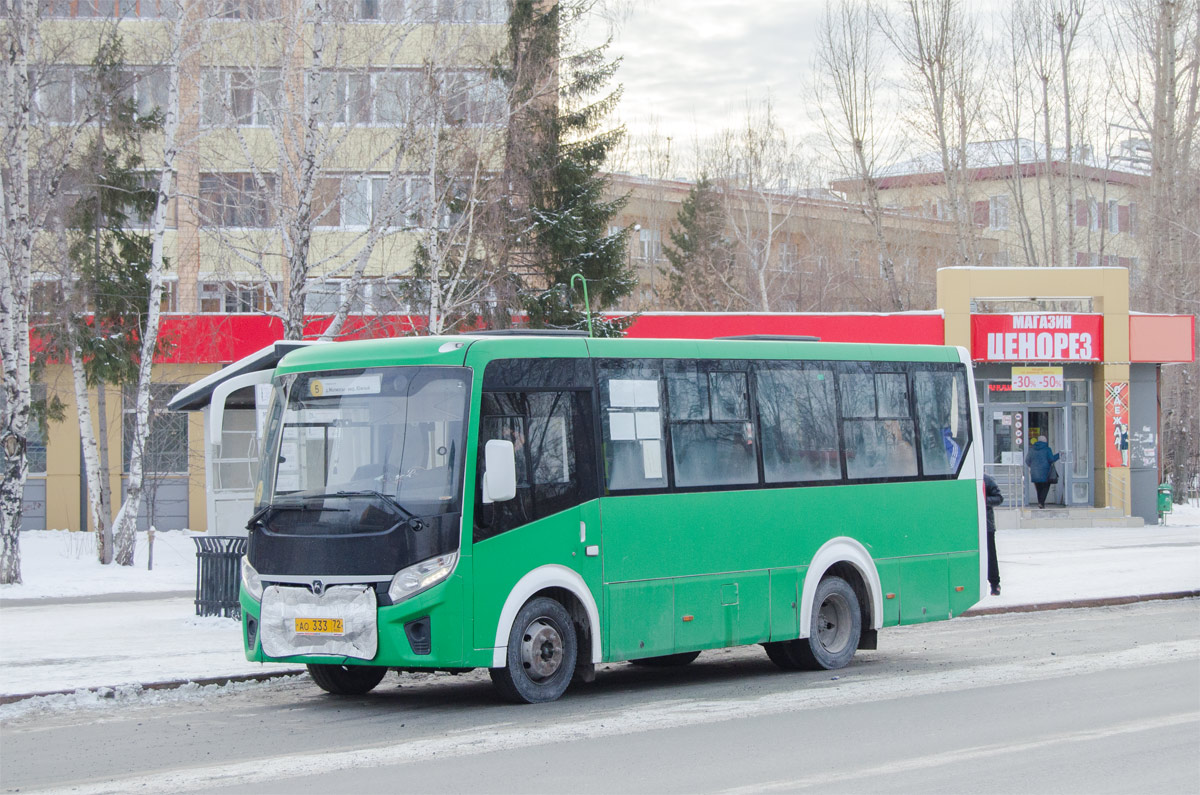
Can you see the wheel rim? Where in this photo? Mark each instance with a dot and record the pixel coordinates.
(541, 649)
(833, 623)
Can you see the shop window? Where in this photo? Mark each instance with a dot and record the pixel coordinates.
(166, 446)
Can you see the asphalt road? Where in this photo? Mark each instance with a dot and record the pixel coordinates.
(1091, 700)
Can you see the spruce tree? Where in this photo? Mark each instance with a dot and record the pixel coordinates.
(700, 258)
(560, 220)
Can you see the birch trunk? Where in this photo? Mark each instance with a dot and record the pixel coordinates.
(101, 513)
(125, 526)
(16, 237)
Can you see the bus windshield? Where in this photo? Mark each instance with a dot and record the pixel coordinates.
(391, 434)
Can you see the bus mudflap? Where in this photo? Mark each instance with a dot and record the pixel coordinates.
(341, 622)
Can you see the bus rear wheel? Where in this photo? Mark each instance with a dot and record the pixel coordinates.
(346, 680)
(542, 650)
(667, 660)
(833, 633)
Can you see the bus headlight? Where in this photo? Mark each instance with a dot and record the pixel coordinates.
(250, 579)
(420, 576)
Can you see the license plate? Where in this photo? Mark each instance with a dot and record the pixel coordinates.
(319, 626)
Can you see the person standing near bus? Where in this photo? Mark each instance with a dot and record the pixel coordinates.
(1041, 466)
(993, 497)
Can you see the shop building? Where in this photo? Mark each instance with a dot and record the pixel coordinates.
(1056, 351)
(1058, 354)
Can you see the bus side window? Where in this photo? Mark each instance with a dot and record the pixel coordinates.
(945, 427)
(712, 437)
(631, 421)
(877, 425)
(551, 441)
(798, 419)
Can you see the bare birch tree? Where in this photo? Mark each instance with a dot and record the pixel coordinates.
(849, 66)
(757, 173)
(34, 159)
(1154, 63)
(938, 45)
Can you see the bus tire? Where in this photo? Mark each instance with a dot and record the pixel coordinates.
(667, 660)
(542, 650)
(833, 632)
(346, 680)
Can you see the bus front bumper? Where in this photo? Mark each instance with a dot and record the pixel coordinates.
(424, 631)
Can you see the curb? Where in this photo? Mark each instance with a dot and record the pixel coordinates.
(1107, 601)
(1102, 601)
(168, 685)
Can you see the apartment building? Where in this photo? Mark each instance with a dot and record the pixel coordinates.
(317, 147)
(1078, 211)
(817, 251)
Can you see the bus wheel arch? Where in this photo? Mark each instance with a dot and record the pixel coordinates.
(845, 558)
(565, 587)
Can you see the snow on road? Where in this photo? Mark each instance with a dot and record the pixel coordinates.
(109, 643)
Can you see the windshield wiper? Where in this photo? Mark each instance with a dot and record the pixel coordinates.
(413, 521)
(259, 515)
(302, 498)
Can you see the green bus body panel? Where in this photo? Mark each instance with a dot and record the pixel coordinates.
(733, 561)
(639, 619)
(964, 574)
(923, 585)
(653, 536)
(889, 583)
(500, 562)
(785, 602)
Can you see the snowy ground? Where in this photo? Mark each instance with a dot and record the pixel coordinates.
(102, 642)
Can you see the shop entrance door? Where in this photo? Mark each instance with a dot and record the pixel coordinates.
(1050, 423)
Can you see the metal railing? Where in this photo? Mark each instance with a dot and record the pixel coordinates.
(1011, 480)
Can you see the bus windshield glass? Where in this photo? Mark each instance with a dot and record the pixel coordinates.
(391, 434)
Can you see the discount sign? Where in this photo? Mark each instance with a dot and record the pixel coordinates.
(1037, 378)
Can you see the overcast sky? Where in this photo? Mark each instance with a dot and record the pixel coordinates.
(691, 66)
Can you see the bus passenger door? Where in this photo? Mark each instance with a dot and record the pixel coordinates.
(554, 518)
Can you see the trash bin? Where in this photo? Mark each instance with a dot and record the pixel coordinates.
(1166, 499)
(218, 575)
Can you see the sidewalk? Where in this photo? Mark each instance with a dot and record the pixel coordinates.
(108, 637)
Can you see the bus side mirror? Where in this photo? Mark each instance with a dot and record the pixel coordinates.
(499, 471)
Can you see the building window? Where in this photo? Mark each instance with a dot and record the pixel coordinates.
(236, 200)
(166, 446)
(234, 297)
(998, 212)
(1114, 217)
(239, 96)
(649, 244)
(170, 296)
(35, 441)
(90, 9)
(244, 9)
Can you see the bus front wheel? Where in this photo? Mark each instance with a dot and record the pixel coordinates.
(346, 680)
(542, 649)
(833, 633)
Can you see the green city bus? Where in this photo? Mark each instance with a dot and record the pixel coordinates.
(538, 504)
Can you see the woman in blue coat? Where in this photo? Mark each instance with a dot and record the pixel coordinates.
(1040, 462)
